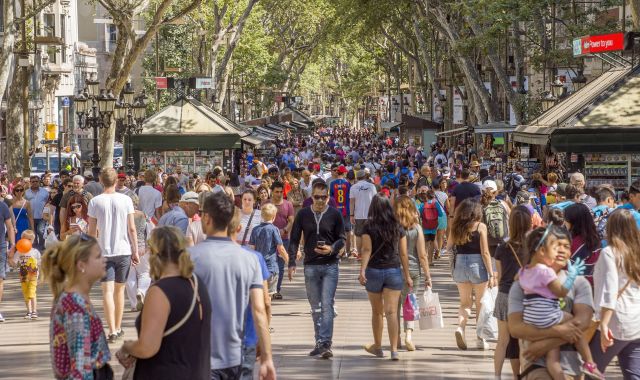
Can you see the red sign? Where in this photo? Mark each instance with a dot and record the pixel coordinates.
(161, 83)
(598, 44)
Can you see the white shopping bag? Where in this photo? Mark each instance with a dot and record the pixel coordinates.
(430, 311)
(51, 239)
(488, 324)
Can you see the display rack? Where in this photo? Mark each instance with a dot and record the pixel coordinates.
(195, 161)
(613, 169)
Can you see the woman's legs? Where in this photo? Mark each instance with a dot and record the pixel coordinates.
(440, 240)
(391, 298)
(479, 289)
(501, 347)
(377, 313)
(464, 311)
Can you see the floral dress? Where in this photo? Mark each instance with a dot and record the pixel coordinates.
(78, 343)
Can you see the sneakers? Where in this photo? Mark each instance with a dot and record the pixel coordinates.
(371, 348)
(139, 301)
(1, 318)
(482, 344)
(316, 351)
(34, 315)
(277, 296)
(120, 333)
(27, 316)
(460, 339)
(395, 356)
(591, 371)
(325, 351)
(111, 338)
(409, 344)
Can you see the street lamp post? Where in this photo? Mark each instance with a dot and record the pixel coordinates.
(129, 114)
(95, 114)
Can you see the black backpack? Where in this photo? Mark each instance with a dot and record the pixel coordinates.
(510, 185)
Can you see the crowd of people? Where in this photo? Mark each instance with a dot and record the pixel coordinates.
(203, 258)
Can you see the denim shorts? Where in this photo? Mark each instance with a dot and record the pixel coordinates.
(3, 261)
(117, 269)
(378, 279)
(470, 268)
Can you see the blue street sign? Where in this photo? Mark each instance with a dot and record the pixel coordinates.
(66, 102)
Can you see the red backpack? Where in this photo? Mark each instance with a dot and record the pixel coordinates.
(430, 216)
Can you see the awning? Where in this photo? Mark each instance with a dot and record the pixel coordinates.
(387, 125)
(565, 114)
(496, 127)
(267, 132)
(256, 139)
(452, 132)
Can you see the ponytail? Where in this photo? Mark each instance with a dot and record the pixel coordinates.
(167, 244)
(185, 264)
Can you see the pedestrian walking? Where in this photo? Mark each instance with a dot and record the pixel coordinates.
(77, 221)
(617, 297)
(407, 215)
(472, 269)
(509, 257)
(7, 237)
(139, 278)
(79, 348)
(360, 196)
(250, 217)
(234, 281)
(324, 239)
(111, 221)
(22, 215)
(175, 323)
(37, 197)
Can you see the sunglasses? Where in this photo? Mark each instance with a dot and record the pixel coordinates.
(320, 197)
(73, 207)
(18, 190)
(68, 186)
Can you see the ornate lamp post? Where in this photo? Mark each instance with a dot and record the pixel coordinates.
(94, 108)
(129, 114)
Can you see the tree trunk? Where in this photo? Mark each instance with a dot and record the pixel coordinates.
(428, 65)
(635, 14)
(8, 41)
(14, 123)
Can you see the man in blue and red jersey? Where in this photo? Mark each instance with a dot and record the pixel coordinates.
(339, 191)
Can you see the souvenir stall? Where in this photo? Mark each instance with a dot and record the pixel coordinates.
(189, 134)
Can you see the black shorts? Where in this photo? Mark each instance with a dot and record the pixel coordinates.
(429, 237)
(359, 226)
(117, 269)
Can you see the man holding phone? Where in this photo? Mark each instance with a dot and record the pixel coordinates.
(324, 238)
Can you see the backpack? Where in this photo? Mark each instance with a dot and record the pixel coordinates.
(430, 216)
(495, 218)
(600, 219)
(510, 185)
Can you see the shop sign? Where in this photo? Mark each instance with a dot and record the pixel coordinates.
(602, 43)
(161, 83)
(202, 83)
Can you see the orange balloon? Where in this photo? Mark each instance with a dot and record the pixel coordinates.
(23, 245)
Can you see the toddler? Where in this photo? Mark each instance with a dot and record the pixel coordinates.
(542, 290)
(265, 238)
(28, 264)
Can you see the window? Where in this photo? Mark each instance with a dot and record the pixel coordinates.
(63, 35)
(49, 24)
(113, 33)
(1, 16)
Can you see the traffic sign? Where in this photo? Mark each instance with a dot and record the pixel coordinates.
(66, 102)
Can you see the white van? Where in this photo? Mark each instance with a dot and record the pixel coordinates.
(39, 162)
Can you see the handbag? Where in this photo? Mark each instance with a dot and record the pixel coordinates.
(595, 324)
(129, 372)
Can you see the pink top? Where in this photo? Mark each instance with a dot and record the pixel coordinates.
(536, 280)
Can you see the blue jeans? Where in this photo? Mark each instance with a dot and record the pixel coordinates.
(285, 242)
(248, 362)
(39, 225)
(321, 282)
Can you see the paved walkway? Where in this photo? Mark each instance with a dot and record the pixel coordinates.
(24, 350)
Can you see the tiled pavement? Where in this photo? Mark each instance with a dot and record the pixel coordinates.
(24, 350)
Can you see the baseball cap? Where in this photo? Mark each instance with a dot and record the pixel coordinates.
(190, 197)
(489, 185)
(122, 175)
(342, 169)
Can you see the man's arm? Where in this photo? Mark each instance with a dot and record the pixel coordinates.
(267, 369)
(294, 239)
(11, 235)
(133, 238)
(338, 230)
(93, 227)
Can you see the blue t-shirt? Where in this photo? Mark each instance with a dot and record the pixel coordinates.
(266, 238)
(562, 205)
(250, 335)
(634, 212)
(441, 213)
(5, 215)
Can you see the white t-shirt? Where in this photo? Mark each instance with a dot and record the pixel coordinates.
(194, 231)
(149, 199)
(244, 221)
(362, 192)
(111, 212)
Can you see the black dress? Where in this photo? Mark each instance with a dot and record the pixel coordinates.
(186, 353)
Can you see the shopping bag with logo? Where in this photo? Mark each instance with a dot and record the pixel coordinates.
(488, 324)
(410, 308)
(430, 311)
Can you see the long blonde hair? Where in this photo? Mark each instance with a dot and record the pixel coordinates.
(406, 212)
(59, 262)
(624, 238)
(167, 244)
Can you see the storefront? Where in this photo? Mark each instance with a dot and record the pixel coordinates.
(596, 130)
(189, 134)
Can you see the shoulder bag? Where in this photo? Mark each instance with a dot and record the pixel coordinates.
(129, 372)
(595, 324)
(246, 230)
